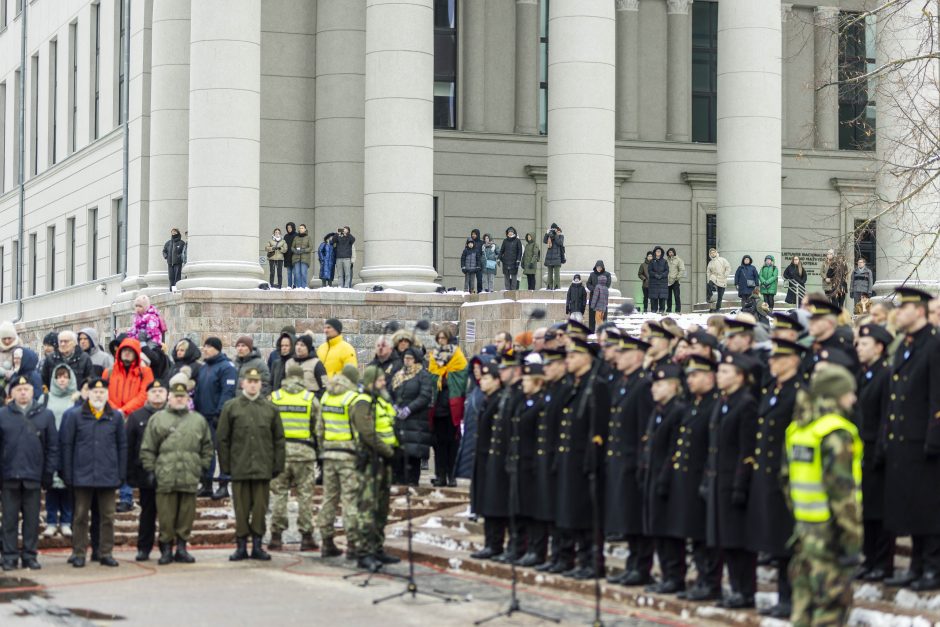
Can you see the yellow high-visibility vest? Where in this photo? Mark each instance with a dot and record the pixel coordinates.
(334, 409)
(384, 419)
(295, 413)
(810, 501)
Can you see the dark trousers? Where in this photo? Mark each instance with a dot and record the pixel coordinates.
(925, 555)
(742, 570)
(510, 278)
(674, 298)
(640, 558)
(177, 512)
(147, 527)
(251, 505)
(530, 281)
(536, 533)
(84, 497)
(479, 274)
(446, 443)
(58, 507)
(646, 299)
(175, 273)
(784, 589)
(708, 564)
(406, 470)
(18, 499)
(769, 299)
(494, 532)
(658, 305)
(584, 549)
(710, 289)
(223, 478)
(671, 553)
(562, 547)
(879, 547)
(275, 266)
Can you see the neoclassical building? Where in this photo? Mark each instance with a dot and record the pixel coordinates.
(630, 123)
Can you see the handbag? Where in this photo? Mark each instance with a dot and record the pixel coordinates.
(491, 265)
(751, 283)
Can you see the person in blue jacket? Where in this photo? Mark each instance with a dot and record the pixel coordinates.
(26, 364)
(326, 255)
(217, 384)
(746, 279)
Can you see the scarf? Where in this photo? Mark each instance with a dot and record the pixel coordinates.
(453, 361)
(405, 374)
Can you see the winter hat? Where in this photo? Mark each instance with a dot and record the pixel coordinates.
(289, 329)
(247, 341)
(307, 341)
(181, 379)
(336, 324)
(51, 339)
(513, 229)
(7, 330)
(576, 278)
(370, 375)
(294, 371)
(214, 342)
(554, 225)
(351, 373)
(832, 381)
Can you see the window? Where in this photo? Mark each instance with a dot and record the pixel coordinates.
(50, 258)
(70, 251)
(17, 268)
(92, 243)
(711, 234)
(14, 125)
(96, 18)
(3, 132)
(445, 63)
(543, 67)
(53, 98)
(33, 259)
(119, 211)
(34, 115)
(119, 55)
(73, 87)
(856, 101)
(866, 243)
(704, 72)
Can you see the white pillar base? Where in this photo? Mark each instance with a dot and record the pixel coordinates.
(419, 279)
(233, 275)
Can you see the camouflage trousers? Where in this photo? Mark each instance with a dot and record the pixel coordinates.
(822, 591)
(340, 483)
(374, 494)
(300, 471)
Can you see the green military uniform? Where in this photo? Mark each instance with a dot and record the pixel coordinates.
(177, 448)
(824, 455)
(251, 450)
(374, 421)
(298, 409)
(339, 453)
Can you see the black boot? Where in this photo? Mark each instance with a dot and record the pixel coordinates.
(257, 551)
(182, 555)
(205, 487)
(241, 550)
(166, 553)
(222, 492)
(368, 562)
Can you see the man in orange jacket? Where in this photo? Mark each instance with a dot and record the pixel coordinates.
(128, 379)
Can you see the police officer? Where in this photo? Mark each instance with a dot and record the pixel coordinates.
(912, 503)
(873, 383)
(824, 468)
(29, 456)
(487, 495)
(251, 450)
(769, 521)
(631, 406)
(298, 408)
(373, 417)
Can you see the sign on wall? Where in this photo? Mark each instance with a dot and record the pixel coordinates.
(470, 332)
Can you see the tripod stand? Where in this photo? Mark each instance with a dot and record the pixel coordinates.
(513, 468)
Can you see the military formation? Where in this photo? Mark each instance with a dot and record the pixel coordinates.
(808, 445)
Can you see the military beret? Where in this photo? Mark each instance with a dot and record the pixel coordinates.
(697, 363)
(630, 343)
(669, 371)
(818, 307)
(252, 374)
(739, 360)
(734, 326)
(97, 383)
(913, 295)
(533, 370)
(552, 354)
(783, 348)
(20, 380)
(703, 337)
(877, 333)
(785, 320)
(581, 345)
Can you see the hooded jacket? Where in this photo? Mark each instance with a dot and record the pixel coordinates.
(78, 361)
(216, 385)
(471, 259)
(148, 326)
(336, 353)
(768, 277)
(531, 255)
(251, 439)
(59, 401)
(717, 271)
(190, 359)
(510, 251)
(277, 364)
(746, 278)
(599, 289)
(326, 255)
(101, 360)
(29, 444)
(489, 253)
(174, 250)
(289, 236)
(127, 384)
(7, 329)
(29, 362)
(253, 360)
(658, 271)
(576, 299)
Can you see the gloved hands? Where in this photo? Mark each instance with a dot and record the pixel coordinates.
(739, 498)
(150, 480)
(404, 412)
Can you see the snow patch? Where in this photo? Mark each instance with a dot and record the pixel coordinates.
(454, 563)
(868, 592)
(434, 522)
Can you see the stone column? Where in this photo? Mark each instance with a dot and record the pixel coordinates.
(224, 145)
(581, 122)
(527, 67)
(909, 207)
(399, 145)
(786, 11)
(749, 156)
(826, 54)
(340, 119)
(474, 66)
(679, 74)
(169, 132)
(628, 68)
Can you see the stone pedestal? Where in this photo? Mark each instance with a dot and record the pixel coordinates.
(224, 145)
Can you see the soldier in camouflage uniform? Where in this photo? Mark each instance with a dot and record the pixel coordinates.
(299, 409)
(823, 469)
(373, 417)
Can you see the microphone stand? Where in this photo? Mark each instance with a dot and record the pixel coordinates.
(513, 468)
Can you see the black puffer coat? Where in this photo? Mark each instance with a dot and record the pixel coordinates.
(658, 271)
(414, 432)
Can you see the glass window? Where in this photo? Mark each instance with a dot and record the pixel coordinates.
(856, 101)
(33, 259)
(54, 98)
(543, 67)
(120, 235)
(705, 72)
(92, 243)
(866, 245)
(445, 63)
(50, 259)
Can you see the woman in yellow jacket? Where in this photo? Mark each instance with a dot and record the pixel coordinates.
(336, 352)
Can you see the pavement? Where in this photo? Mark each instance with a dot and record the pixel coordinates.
(292, 589)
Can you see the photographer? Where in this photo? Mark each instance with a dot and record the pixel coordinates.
(344, 256)
(554, 240)
(510, 255)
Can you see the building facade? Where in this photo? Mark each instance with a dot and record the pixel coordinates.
(630, 123)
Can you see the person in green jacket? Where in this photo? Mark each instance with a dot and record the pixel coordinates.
(176, 452)
(251, 450)
(530, 260)
(768, 281)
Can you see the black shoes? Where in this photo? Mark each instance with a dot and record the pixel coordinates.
(307, 542)
(9, 564)
(142, 556)
(930, 581)
(108, 561)
(636, 578)
(31, 563)
(241, 550)
(736, 601)
(560, 568)
(546, 567)
(257, 550)
(385, 558)
(487, 553)
(781, 611)
(902, 579)
(182, 555)
(275, 543)
(529, 560)
(77, 561)
(703, 593)
(222, 492)
(875, 574)
(370, 563)
(667, 587)
(166, 554)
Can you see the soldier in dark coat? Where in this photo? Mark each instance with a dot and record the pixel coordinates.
(582, 433)
(653, 475)
(631, 406)
(727, 479)
(497, 462)
(136, 475)
(912, 503)
(488, 500)
(523, 444)
(871, 412)
(769, 519)
(686, 510)
(739, 334)
(826, 333)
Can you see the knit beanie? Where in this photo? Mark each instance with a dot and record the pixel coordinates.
(7, 330)
(351, 373)
(832, 382)
(307, 341)
(370, 375)
(336, 324)
(51, 339)
(246, 340)
(214, 342)
(294, 371)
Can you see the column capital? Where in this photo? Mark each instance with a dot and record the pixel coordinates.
(786, 10)
(825, 14)
(628, 5)
(678, 7)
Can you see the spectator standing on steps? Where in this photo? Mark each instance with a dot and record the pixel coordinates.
(576, 300)
(216, 385)
(490, 261)
(554, 241)
(174, 251)
(247, 357)
(746, 279)
(768, 281)
(676, 272)
(301, 249)
(659, 280)
(510, 255)
(478, 244)
(599, 286)
(290, 232)
(326, 255)
(642, 273)
(862, 280)
(716, 275)
(530, 260)
(471, 266)
(795, 276)
(275, 249)
(344, 241)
